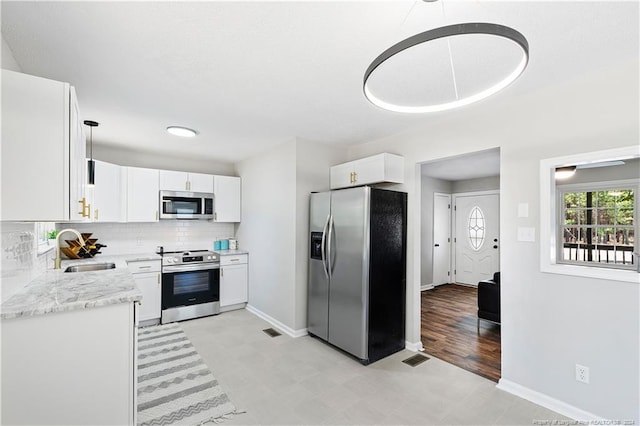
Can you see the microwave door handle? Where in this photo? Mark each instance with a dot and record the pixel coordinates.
(323, 248)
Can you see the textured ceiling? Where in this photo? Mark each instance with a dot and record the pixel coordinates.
(249, 75)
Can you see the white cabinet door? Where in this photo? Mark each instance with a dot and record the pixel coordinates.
(78, 166)
(375, 169)
(70, 368)
(227, 191)
(234, 282)
(200, 182)
(149, 285)
(342, 175)
(109, 193)
(142, 195)
(36, 137)
(173, 181)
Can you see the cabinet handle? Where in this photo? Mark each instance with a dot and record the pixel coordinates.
(215, 216)
(234, 260)
(144, 267)
(355, 177)
(188, 186)
(95, 214)
(84, 211)
(158, 279)
(221, 272)
(156, 214)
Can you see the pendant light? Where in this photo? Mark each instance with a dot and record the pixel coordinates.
(447, 32)
(91, 165)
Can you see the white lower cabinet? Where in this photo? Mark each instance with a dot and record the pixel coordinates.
(147, 275)
(70, 368)
(234, 281)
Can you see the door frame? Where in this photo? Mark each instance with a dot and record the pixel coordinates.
(449, 236)
(454, 233)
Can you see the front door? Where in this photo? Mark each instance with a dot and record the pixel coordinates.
(477, 239)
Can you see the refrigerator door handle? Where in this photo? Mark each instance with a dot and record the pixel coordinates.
(323, 247)
(330, 245)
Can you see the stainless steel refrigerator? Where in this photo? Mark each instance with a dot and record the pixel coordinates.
(357, 270)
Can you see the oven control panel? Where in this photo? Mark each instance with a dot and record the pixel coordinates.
(189, 257)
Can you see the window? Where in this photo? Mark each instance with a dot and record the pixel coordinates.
(551, 214)
(476, 227)
(597, 225)
(42, 230)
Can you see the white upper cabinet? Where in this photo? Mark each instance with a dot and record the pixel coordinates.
(109, 193)
(227, 202)
(375, 169)
(43, 151)
(183, 181)
(142, 194)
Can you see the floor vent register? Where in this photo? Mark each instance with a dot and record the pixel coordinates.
(415, 360)
(271, 332)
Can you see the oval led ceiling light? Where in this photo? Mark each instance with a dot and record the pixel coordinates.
(185, 132)
(479, 28)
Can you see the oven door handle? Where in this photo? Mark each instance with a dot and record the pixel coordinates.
(190, 268)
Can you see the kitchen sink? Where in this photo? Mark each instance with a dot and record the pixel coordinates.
(91, 267)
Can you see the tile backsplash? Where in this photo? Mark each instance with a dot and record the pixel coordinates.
(21, 263)
(129, 238)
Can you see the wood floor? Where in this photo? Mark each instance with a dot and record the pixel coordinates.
(449, 330)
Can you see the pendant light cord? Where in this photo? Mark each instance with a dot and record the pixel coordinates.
(91, 144)
(453, 69)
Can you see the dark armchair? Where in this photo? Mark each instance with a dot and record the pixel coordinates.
(489, 300)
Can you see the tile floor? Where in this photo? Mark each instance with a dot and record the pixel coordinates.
(290, 381)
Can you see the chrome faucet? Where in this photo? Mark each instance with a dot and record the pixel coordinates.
(58, 260)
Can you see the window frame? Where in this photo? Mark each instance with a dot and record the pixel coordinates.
(595, 187)
(548, 216)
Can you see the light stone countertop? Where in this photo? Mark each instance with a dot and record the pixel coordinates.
(230, 252)
(58, 291)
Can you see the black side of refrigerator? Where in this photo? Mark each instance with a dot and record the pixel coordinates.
(387, 273)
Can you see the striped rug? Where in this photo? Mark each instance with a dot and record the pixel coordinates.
(174, 385)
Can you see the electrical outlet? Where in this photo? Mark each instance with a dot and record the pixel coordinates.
(582, 373)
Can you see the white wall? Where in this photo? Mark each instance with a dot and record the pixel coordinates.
(550, 322)
(8, 60)
(274, 227)
(268, 230)
(472, 185)
(186, 163)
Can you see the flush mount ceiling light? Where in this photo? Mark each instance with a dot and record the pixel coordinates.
(565, 172)
(185, 132)
(448, 32)
(91, 165)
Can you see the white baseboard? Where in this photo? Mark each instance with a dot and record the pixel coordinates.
(413, 346)
(546, 401)
(424, 287)
(277, 324)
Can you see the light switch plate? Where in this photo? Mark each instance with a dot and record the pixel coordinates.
(526, 234)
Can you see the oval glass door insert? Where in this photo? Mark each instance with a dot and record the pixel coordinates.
(476, 228)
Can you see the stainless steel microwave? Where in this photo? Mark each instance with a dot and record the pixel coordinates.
(186, 205)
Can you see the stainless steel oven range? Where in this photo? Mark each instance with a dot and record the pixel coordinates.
(190, 285)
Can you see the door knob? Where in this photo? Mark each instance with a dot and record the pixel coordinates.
(495, 247)
(495, 240)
